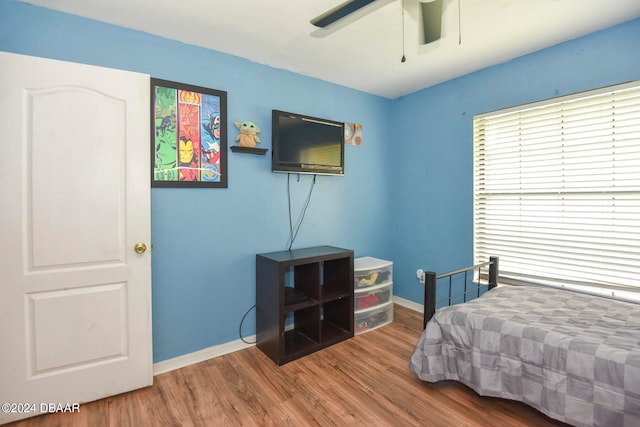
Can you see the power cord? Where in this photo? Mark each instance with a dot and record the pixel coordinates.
(240, 328)
(292, 235)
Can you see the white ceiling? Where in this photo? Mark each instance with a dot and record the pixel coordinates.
(365, 53)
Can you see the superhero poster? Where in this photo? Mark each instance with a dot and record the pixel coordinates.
(188, 136)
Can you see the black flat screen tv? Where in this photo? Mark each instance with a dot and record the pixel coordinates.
(305, 144)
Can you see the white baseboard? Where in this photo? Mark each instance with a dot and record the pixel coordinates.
(201, 355)
(408, 304)
(226, 348)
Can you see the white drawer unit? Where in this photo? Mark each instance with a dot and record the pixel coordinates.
(373, 318)
(373, 296)
(370, 271)
(373, 293)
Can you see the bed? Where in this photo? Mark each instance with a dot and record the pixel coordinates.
(575, 357)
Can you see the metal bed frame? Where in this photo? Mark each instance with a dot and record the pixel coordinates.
(432, 278)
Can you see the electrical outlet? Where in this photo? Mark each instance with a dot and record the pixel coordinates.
(420, 274)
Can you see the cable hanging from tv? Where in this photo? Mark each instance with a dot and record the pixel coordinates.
(293, 230)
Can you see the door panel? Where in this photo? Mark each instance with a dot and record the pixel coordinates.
(56, 328)
(72, 152)
(74, 180)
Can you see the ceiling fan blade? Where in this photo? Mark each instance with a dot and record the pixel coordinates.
(431, 20)
(339, 12)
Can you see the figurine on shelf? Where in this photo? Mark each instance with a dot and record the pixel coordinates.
(248, 134)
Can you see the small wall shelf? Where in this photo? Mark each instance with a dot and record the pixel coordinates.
(250, 150)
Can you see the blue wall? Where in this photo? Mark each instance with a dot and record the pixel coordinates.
(432, 199)
(205, 240)
(407, 193)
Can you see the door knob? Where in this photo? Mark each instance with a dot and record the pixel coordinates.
(140, 248)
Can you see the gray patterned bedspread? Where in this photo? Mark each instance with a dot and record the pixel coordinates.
(574, 357)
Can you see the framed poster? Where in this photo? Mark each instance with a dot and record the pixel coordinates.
(188, 135)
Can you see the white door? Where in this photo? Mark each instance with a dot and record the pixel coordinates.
(75, 298)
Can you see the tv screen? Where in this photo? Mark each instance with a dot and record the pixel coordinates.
(304, 144)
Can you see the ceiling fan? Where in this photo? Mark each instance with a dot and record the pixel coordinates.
(430, 10)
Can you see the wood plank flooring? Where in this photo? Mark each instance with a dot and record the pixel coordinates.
(363, 381)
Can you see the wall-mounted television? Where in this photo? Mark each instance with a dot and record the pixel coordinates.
(305, 144)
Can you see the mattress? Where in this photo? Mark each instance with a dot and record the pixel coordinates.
(575, 357)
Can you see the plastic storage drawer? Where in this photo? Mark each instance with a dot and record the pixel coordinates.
(369, 320)
(370, 271)
(372, 296)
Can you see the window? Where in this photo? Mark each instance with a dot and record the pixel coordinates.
(557, 190)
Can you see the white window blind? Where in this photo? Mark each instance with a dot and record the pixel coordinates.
(557, 189)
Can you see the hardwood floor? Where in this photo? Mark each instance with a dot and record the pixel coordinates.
(363, 381)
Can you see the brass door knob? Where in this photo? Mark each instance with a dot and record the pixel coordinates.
(140, 248)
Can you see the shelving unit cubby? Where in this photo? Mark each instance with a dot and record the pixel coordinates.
(304, 301)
